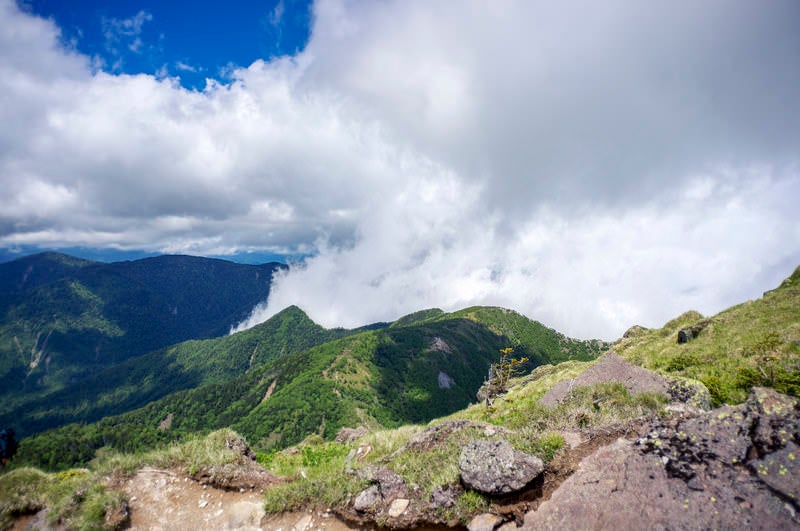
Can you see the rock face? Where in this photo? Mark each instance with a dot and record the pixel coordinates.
(730, 468)
(495, 467)
(246, 474)
(386, 487)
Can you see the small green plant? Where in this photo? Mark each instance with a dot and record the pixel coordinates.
(500, 374)
(469, 504)
(321, 454)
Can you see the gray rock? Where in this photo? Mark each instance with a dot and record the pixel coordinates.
(495, 467)
(386, 487)
(390, 485)
(781, 471)
(368, 499)
(445, 496)
(484, 522)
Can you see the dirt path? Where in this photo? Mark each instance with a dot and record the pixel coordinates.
(163, 500)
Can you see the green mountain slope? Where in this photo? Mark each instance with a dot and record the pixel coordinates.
(138, 381)
(31, 271)
(756, 343)
(76, 318)
(385, 377)
(531, 338)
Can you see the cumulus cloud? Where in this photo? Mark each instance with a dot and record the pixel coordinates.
(590, 165)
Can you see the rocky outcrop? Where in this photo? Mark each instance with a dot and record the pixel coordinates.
(609, 368)
(612, 368)
(687, 334)
(244, 474)
(730, 468)
(496, 468)
(435, 435)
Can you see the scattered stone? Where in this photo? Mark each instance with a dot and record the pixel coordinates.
(398, 507)
(386, 487)
(202, 503)
(609, 368)
(484, 522)
(445, 496)
(348, 435)
(495, 467)
(390, 484)
(368, 499)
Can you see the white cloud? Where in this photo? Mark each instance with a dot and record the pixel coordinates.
(591, 165)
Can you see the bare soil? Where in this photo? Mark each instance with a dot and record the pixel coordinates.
(165, 500)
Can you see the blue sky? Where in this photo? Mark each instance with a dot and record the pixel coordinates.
(592, 165)
(192, 40)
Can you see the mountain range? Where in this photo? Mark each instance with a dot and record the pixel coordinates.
(290, 394)
(63, 319)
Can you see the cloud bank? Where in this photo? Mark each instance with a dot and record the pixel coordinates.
(591, 166)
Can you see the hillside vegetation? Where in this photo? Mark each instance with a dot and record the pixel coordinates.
(139, 381)
(64, 319)
(383, 377)
(756, 343)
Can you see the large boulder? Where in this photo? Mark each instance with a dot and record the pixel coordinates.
(496, 468)
(729, 468)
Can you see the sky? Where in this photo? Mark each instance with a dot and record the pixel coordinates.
(592, 165)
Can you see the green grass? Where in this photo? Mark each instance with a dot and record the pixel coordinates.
(756, 343)
(318, 478)
(188, 457)
(75, 499)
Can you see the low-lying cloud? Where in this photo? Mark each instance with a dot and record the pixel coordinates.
(590, 165)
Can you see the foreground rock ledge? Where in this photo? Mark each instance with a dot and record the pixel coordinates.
(495, 467)
(730, 468)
